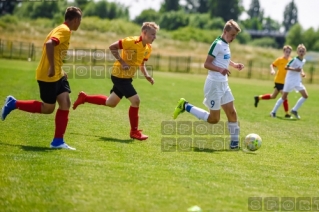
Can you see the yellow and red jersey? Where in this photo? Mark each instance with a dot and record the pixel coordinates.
(280, 63)
(134, 53)
(61, 35)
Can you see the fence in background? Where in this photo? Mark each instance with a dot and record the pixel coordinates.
(157, 62)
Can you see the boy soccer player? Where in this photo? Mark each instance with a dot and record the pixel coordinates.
(293, 81)
(135, 51)
(280, 63)
(52, 80)
(216, 90)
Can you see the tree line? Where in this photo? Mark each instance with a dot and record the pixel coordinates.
(178, 15)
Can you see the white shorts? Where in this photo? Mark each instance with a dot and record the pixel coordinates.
(216, 94)
(290, 86)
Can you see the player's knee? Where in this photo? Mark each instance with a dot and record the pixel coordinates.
(135, 102)
(47, 110)
(212, 120)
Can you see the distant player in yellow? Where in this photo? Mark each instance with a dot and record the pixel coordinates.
(53, 84)
(135, 51)
(280, 63)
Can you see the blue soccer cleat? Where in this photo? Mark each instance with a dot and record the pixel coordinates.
(9, 105)
(234, 145)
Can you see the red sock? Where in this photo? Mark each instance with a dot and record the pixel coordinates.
(96, 99)
(285, 104)
(133, 115)
(61, 121)
(266, 96)
(30, 106)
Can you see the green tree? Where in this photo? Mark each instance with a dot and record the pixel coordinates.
(147, 15)
(310, 38)
(104, 9)
(290, 15)
(230, 9)
(270, 24)
(255, 11)
(169, 5)
(173, 20)
(253, 23)
(81, 3)
(196, 6)
(294, 36)
(34, 10)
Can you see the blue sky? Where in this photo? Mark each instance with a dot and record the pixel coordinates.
(307, 9)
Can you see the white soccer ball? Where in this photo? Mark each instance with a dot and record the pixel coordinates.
(252, 142)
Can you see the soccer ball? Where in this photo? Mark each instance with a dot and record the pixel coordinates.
(252, 142)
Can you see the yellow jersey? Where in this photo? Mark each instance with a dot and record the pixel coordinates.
(61, 35)
(280, 63)
(133, 53)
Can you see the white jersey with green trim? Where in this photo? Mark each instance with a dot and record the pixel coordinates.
(294, 76)
(221, 52)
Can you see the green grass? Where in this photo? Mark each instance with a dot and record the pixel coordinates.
(110, 172)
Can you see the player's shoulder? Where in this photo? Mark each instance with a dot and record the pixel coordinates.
(62, 28)
(132, 38)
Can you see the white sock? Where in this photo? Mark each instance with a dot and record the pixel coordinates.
(197, 112)
(277, 105)
(300, 101)
(234, 131)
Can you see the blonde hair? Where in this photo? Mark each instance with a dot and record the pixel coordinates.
(301, 46)
(287, 47)
(149, 25)
(231, 24)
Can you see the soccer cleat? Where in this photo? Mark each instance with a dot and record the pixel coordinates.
(58, 143)
(137, 134)
(295, 113)
(62, 146)
(180, 108)
(80, 100)
(288, 116)
(272, 114)
(9, 105)
(256, 100)
(234, 145)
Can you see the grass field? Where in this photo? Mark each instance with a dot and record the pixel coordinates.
(110, 172)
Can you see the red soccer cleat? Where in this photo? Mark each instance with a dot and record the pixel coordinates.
(137, 134)
(80, 100)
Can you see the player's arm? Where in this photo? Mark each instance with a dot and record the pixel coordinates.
(49, 46)
(146, 74)
(272, 70)
(238, 66)
(302, 73)
(293, 69)
(114, 48)
(210, 66)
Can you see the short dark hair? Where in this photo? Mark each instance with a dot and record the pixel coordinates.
(72, 12)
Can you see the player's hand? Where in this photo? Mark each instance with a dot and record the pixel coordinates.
(125, 66)
(303, 74)
(150, 79)
(66, 75)
(51, 71)
(224, 72)
(272, 72)
(239, 66)
(298, 69)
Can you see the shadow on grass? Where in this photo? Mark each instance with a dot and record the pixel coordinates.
(286, 119)
(29, 148)
(116, 140)
(107, 138)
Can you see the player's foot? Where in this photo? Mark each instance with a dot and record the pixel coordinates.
(180, 108)
(256, 100)
(80, 100)
(295, 113)
(288, 116)
(58, 143)
(137, 134)
(9, 105)
(272, 114)
(234, 145)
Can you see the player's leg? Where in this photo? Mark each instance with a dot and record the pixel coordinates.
(266, 96)
(304, 95)
(227, 103)
(286, 106)
(93, 99)
(62, 114)
(47, 90)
